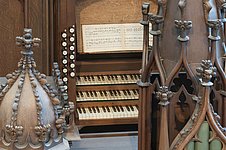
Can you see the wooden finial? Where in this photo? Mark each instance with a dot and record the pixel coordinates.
(27, 42)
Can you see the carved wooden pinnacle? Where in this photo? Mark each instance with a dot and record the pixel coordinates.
(27, 42)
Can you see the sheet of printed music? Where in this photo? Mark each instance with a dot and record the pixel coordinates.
(112, 37)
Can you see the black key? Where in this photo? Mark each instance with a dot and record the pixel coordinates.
(98, 77)
(121, 108)
(94, 110)
(87, 93)
(79, 110)
(98, 110)
(84, 111)
(104, 109)
(90, 110)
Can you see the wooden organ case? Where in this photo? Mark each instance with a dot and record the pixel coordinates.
(100, 58)
(183, 107)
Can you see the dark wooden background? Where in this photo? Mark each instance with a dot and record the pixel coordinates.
(12, 14)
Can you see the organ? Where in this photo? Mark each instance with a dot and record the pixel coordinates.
(180, 101)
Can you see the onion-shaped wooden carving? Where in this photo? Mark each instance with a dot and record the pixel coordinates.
(31, 114)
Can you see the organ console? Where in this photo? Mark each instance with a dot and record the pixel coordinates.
(100, 77)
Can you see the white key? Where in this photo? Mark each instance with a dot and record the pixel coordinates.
(79, 114)
(87, 114)
(95, 114)
(135, 111)
(111, 113)
(129, 111)
(119, 112)
(83, 114)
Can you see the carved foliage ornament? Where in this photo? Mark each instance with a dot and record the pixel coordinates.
(183, 27)
(164, 95)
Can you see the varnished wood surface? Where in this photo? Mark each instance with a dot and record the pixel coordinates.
(12, 22)
(11, 25)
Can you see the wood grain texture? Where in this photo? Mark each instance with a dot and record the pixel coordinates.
(12, 24)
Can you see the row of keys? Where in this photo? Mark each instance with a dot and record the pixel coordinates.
(107, 79)
(107, 112)
(107, 95)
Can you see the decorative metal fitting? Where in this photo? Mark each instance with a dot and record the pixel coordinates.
(206, 72)
(215, 26)
(183, 27)
(164, 95)
(155, 20)
(27, 42)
